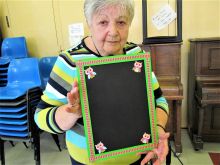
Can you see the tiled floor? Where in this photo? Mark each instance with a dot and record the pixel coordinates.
(192, 157)
(50, 154)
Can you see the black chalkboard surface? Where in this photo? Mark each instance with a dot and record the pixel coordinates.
(118, 105)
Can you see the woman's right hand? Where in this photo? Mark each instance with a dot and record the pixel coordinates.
(67, 115)
(73, 98)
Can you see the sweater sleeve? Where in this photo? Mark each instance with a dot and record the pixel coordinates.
(59, 83)
(160, 100)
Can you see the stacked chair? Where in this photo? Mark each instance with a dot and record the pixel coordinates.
(18, 101)
(4, 63)
(14, 48)
(46, 65)
(20, 91)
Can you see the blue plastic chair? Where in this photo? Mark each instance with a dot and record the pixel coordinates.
(18, 101)
(14, 128)
(14, 47)
(14, 133)
(13, 121)
(18, 117)
(23, 74)
(46, 65)
(4, 63)
(13, 109)
(17, 121)
(13, 115)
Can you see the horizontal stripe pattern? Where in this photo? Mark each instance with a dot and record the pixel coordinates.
(60, 82)
(76, 139)
(41, 120)
(162, 103)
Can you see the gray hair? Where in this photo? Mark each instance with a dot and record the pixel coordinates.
(93, 6)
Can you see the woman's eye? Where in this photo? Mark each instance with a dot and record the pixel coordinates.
(103, 22)
(121, 23)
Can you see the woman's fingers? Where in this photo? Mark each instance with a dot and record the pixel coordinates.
(161, 152)
(76, 109)
(73, 95)
(141, 153)
(74, 105)
(150, 155)
(158, 155)
(164, 136)
(162, 148)
(75, 90)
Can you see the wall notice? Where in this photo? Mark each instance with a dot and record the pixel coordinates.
(164, 17)
(76, 33)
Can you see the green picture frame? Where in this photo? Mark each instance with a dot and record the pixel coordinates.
(112, 114)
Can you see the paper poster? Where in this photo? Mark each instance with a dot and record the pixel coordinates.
(164, 17)
(76, 33)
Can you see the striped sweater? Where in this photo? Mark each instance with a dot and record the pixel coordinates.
(59, 83)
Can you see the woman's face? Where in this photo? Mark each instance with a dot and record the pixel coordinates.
(109, 29)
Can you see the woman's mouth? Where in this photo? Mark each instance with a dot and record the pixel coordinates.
(113, 41)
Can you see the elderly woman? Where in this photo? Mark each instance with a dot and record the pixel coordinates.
(59, 110)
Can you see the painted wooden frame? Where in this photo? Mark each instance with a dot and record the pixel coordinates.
(162, 39)
(118, 105)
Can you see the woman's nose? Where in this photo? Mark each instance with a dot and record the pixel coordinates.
(113, 29)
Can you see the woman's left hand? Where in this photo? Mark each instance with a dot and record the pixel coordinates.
(158, 155)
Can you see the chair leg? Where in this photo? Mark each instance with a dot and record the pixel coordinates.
(2, 150)
(56, 139)
(37, 147)
(168, 158)
(25, 144)
(12, 143)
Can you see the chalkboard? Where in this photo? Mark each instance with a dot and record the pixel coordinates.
(118, 105)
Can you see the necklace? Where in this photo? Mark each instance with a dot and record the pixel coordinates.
(95, 47)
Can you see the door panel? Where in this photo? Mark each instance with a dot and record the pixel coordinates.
(4, 19)
(34, 20)
(67, 13)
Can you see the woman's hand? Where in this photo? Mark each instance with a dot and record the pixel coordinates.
(67, 115)
(158, 155)
(73, 98)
